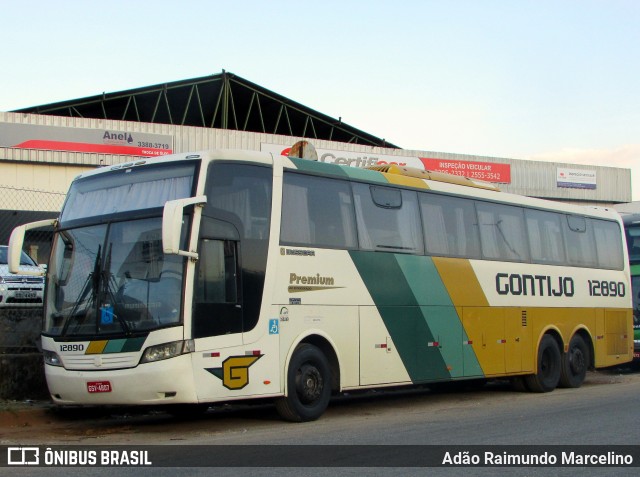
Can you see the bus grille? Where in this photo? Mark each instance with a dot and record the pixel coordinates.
(97, 362)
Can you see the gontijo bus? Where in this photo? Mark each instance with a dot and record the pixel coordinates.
(228, 275)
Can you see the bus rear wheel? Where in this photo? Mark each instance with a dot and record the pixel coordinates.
(308, 385)
(549, 366)
(575, 363)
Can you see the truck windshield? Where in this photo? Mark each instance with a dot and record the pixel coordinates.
(24, 258)
(112, 278)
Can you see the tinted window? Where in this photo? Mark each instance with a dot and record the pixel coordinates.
(128, 189)
(238, 209)
(24, 258)
(317, 212)
(450, 226)
(241, 194)
(581, 247)
(545, 236)
(633, 242)
(635, 294)
(216, 304)
(390, 228)
(502, 232)
(386, 197)
(608, 244)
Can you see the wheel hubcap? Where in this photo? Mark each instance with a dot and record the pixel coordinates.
(309, 384)
(576, 361)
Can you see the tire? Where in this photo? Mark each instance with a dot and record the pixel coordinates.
(308, 385)
(575, 363)
(548, 371)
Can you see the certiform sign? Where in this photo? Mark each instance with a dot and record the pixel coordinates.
(575, 178)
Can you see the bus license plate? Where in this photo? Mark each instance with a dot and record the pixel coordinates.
(99, 387)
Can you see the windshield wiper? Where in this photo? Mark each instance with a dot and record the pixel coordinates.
(91, 284)
(108, 285)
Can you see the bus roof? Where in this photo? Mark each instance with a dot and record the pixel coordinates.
(391, 174)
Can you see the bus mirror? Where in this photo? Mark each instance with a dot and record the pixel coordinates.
(172, 225)
(16, 242)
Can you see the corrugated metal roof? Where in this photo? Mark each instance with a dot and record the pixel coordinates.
(224, 101)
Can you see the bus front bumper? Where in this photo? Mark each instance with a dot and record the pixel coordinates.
(162, 382)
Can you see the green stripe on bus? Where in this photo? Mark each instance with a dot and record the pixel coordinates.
(319, 167)
(419, 315)
(440, 314)
(365, 175)
(344, 172)
(133, 344)
(114, 346)
(126, 345)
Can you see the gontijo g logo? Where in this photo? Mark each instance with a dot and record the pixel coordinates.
(235, 371)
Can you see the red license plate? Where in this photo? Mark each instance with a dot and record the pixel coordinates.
(99, 387)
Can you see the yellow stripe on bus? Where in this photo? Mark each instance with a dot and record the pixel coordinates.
(460, 281)
(96, 347)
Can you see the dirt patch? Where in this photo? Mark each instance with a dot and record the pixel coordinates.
(18, 415)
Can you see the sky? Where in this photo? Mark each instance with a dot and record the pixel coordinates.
(555, 80)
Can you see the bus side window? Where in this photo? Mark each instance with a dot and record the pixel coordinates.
(581, 246)
(388, 219)
(217, 309)
(608, 244)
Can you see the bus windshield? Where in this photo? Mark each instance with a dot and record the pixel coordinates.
(127, 189)
(112, 279)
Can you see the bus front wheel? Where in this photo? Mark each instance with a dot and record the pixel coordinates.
(308, 385)
(549, 366)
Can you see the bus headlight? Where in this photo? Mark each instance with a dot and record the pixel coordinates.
(51, 358)
(167, 350)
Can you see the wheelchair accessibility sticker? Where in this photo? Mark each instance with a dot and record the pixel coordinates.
(274, 326)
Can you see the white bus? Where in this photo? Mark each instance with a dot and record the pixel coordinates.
(228, 275)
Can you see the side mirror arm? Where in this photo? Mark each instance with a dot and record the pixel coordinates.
(16, 242)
